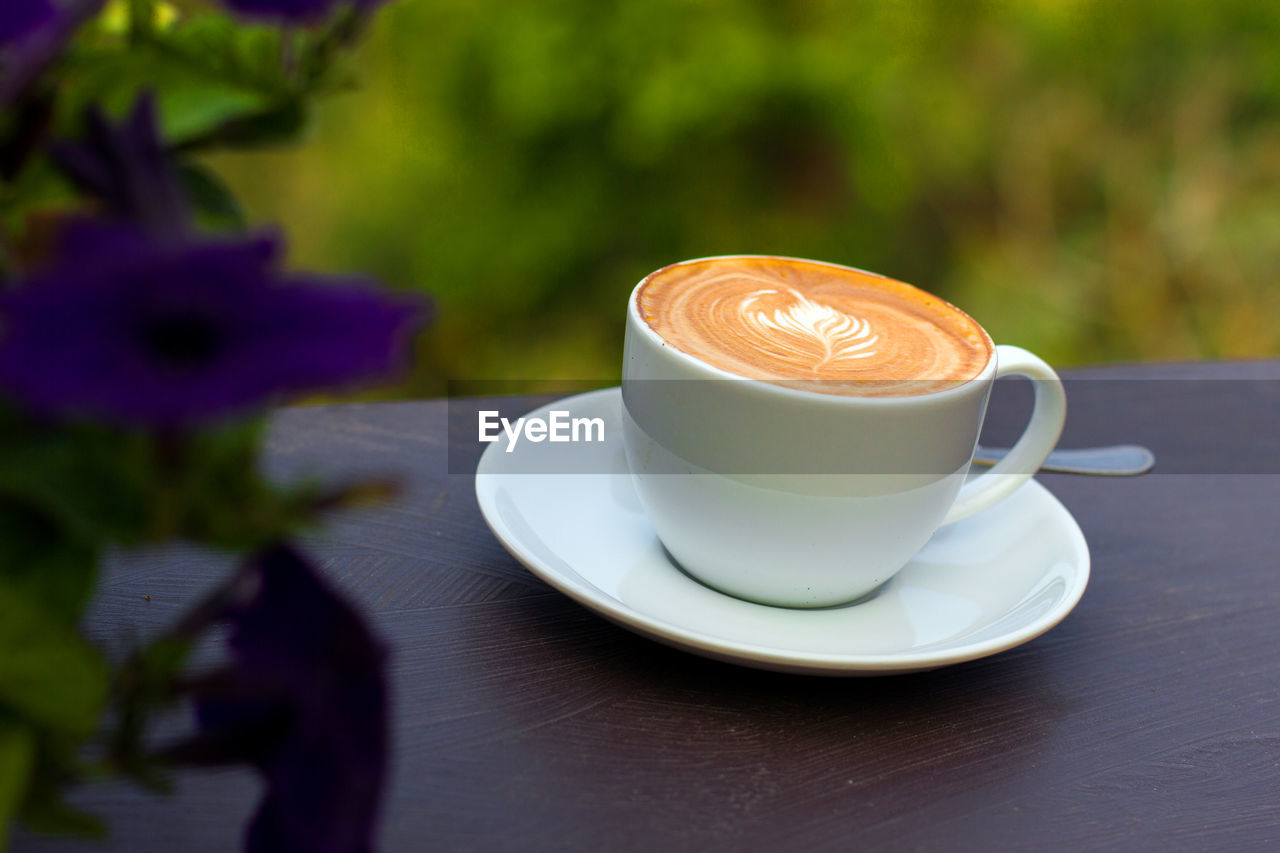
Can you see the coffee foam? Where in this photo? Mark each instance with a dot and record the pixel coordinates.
(815, 326)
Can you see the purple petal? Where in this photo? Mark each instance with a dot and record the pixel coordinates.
(20, 18)
(31, 39)
(127, 168)
(167, 334)
(291, 11)
(304, 701)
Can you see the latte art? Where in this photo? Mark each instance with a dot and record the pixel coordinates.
(815, 326)
(807, 333)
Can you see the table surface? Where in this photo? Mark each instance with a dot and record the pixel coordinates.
(1148, 719)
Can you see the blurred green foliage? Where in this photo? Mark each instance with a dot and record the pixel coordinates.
(1093, 180)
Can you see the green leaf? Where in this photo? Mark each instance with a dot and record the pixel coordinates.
(280, 123)
(215, 207)
(34, 768)
(142, 16)
(95, 482)
(35, 200)
(43, 563)
(44, 811)
(222, 498)
(17, 754)
(193, 109)
(56, 766)
(206, 72)
(191, 102)
(48, 674)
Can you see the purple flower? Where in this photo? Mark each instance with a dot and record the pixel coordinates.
(21, 18)
(290, 11)
(127, 168)
(33, 34)
(297, 11)
(162, 334)
(303, 700)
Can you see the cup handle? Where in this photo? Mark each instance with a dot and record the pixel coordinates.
(1037, 439)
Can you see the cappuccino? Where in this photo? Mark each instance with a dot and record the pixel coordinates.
(815, 326)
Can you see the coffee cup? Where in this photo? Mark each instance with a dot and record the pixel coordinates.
(798, 430)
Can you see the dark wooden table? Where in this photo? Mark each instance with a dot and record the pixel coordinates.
(1149, 719)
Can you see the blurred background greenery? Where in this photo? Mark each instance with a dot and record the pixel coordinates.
(1097, 181)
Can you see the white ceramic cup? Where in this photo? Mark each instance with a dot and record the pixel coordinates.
(803, 499)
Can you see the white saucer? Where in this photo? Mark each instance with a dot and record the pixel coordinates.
(979, 587)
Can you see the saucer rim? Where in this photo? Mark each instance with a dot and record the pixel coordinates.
(687, 638)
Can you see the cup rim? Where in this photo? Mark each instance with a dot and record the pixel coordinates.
(633, 318)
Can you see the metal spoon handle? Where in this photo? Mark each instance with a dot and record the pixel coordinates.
(1120, 460)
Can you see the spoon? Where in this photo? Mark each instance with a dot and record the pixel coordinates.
(1118, 460)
